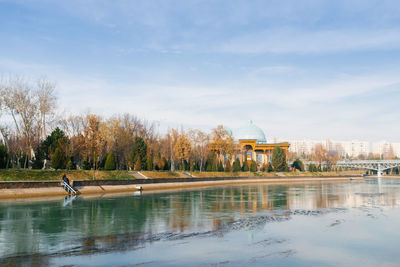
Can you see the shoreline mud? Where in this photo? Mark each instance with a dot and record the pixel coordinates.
(15, 190)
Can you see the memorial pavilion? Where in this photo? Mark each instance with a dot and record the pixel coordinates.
(251, 144)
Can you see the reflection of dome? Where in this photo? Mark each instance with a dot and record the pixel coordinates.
(250, 132)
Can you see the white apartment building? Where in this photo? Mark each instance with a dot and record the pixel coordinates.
(355, 148)
(302, 146)
(352, 148)
(386, 148)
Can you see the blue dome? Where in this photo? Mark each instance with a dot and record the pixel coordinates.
(228, 130)
(250, 132)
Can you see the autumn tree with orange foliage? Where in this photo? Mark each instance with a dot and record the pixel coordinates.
(93, 140)
(222, 142)
(182, 148)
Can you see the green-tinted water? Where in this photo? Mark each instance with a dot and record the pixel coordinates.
(306, 224)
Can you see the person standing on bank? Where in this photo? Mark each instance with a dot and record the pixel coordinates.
(65, 179)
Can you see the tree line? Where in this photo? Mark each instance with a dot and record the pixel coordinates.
(35, 136)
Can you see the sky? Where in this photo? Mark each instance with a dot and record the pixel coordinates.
(298, 69)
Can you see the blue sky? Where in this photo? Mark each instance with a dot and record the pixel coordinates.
(298, 69)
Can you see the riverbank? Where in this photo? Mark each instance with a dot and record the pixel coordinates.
(55, 175)
(178, 185)
(85, 187)
(12, 193)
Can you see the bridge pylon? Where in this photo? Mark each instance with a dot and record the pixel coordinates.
(380, 171)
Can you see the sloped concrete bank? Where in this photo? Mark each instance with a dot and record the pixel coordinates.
(54, 188)
(238, 181)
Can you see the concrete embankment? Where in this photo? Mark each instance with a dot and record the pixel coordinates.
(177, 185)
(59, 191)
(51, 188)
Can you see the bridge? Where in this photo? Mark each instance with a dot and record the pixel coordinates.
(377, 165)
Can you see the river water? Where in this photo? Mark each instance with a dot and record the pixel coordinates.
(301, 224)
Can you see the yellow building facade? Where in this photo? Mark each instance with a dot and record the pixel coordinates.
(251, 144)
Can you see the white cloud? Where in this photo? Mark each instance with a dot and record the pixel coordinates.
(313, 108)
(333, 90)
(309, 111)
(291, 40)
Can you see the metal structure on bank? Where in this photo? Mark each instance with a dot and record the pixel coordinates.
(377, 165)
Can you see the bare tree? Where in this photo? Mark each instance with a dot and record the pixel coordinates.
(27, 109)
(28, 105)
(72, 125)
(46, 103)
(9, 100)
(2, 93)
(200, 141)
(320, 154)
(21, 102)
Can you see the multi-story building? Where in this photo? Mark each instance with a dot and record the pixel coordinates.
(386, 149)
(303, 147)
(355, 148)
(343, 148)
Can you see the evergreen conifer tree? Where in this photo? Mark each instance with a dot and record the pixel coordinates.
(138, 150)
(149, 164)
(102, 163)
(269, 168)
(3, 156)
(278, 160)
(236, 165)
(110, 162)
(228, 167)
(57, 139)
(71, 165)
(298, 165)
(187, 165)
(253, 166)
(246, 166)
(165, 164)
(312, 168)
(86, 165)
(57, 161)
(220, 166)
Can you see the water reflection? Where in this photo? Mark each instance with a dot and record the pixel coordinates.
(36, 231)
(68, 199)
